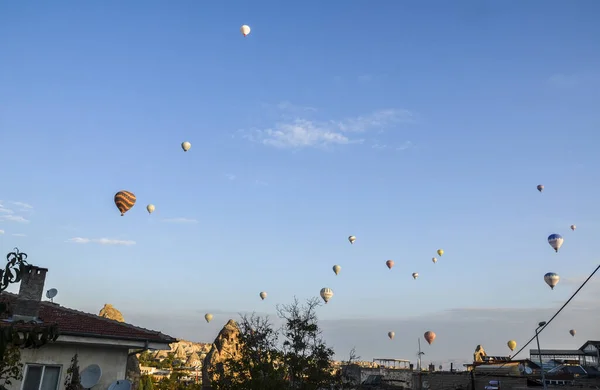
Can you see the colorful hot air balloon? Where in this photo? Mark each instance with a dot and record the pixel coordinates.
(434, 260)
(245, 30)
(351, 239)
(573, 227)
(186, 146)
(540, 187)
(391, 335)
(337, 269)
(326, 294)
(440, 252)
(551, 279)
(389, 263)
(415, 275)
(512, 344)
(573, 332)
(429, 337)
(555, 241)
(150, 208)
(263, 295)
(208, 317)
(124, 200)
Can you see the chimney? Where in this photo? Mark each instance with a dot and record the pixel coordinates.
(27, 306)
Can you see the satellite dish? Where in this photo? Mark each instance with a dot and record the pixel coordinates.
(90, 376)
(528, 370)
(425, 384)
(50, 294)
(123, 384)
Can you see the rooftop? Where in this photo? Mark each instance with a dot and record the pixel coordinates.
(564, 352)
(77, 323)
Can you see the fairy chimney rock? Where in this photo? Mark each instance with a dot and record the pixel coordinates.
(225, 346)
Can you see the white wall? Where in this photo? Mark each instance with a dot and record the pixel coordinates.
(112, 361)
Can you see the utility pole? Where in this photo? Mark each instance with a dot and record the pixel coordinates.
(419, 364)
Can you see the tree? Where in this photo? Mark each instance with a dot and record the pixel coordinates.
(146, 383)
(301, 362)
(11, 367)
(73, 380)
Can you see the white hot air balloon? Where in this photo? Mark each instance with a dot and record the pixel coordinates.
(337, 269)
(186, 146)
(434, 260)
(573, 227)
(245, 30)
(150, 208)
(351, 239)
(391, 335)
(263, 295)
(555, 240)
(415, 275)
(326, 294)
(551, 279)
(208, 317)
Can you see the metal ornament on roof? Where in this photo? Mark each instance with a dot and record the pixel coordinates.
(14, 269)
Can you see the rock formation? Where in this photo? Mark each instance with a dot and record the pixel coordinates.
(225, 346)
(479, 354)
(109, 311)
(193, 360)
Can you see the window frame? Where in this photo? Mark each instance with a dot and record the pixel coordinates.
(43, 365)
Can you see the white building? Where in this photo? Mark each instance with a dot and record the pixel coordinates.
(95, 339)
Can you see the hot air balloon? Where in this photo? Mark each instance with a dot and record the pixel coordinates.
(573, 227)
(512, 344)
(263, 295)
(440, 252)
(337, 269)
(415, 275)
(573, 332)
(326, 294)
(389, 263)
(208, 317)
(391, 335)
(434, 260)
(351, 239)
(429, 337)
(150, 208)
(555, 241)
(540, 187)
(186, 146)
(245, 30)
(124, 200)
(551, 279)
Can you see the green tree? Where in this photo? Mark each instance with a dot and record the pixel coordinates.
(11, 367)
(73, 380)
(301, 362)
(146, 383)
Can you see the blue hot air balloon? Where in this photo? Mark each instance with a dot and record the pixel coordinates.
(551, 279)
(555, 241)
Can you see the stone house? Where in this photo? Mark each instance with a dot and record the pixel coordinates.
(95, 339)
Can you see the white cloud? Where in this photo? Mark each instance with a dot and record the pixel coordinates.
(23, 205)
(230, 176)
(1, 231)
(404, 146)
(101, 241)
(13, 218)
(19, 235)
(180, 220)
(301, 132)
(4, 210)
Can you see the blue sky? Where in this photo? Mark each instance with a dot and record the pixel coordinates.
(414, 126)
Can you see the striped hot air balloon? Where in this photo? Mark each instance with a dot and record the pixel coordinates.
(124, 200)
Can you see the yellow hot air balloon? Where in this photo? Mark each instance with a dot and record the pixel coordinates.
(245, 30)
(337, 269)
(512, 344)
(186, 146)
(440, 252)
(124, 200)
(208, 317)
(351, 239)
(263, 295)
(150, 208)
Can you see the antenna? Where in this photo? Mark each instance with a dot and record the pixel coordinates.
(90, 376)
(122, 384)
(50, 294)
(419, 355)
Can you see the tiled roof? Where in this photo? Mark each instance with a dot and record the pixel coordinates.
(77, 323)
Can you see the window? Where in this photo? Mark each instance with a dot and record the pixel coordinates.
(40, 377)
